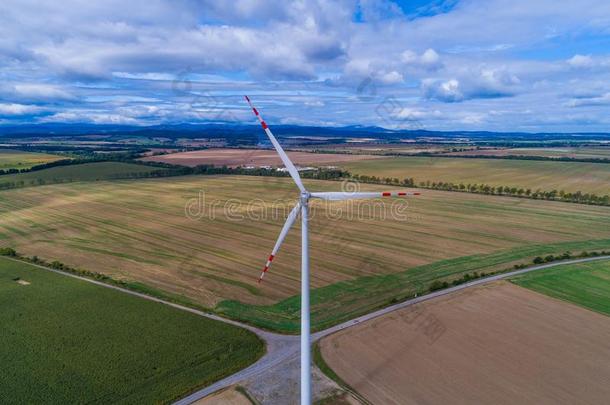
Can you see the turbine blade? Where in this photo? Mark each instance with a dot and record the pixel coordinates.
(287, 225)
(340, 196)
(294, 173)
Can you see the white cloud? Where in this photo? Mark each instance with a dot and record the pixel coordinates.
(18, 109)
(581, 61)
(314, 103)
(448, 91)
(601, 100)
(412, 114)
(429, 59)
(473, 119)
(477, 83)
(89, 117)
(392, 77)
(40, 92)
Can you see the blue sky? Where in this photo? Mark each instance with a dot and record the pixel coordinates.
(441, 65)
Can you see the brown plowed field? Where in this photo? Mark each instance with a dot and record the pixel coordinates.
(497, 344)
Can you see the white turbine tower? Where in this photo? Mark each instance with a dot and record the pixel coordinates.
(303, 207)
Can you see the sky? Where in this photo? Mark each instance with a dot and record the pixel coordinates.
(497, 65)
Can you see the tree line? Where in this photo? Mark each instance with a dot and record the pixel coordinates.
(168, 170)
(519, 157)
(482, 188)
(126, 157)
(319, 174)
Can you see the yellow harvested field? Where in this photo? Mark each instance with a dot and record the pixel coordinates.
(543, 175)
(496, 344)
(602, 152)
(251, 157)
(139, 230)
(226, 397)
(16, 159)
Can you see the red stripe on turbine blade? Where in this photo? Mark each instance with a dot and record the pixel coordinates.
(271, 258)
(247, 99)
(400, 194)
(416, 193)
(255, 111)
(264, 124)
(386, 194)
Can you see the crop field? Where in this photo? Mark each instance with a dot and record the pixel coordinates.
(586, 284)
(544, 175)
(389, 148)
(68, 341)
(251, 157)
(529, 348)
(82, 172)
(231, 396)
(363, 255)
(16, 159)
(552, 152)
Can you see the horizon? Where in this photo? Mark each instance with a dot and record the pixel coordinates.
(82, 129)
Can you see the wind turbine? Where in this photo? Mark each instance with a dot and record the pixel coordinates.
(302, 207)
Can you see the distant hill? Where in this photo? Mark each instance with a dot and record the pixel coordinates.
(252, 133)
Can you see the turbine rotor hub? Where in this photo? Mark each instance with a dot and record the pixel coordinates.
(305, 195)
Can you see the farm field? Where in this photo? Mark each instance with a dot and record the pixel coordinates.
(388, 148)
(544, 175)
(586, 284)
(68, 341)
(554, 152)
(16, 159)
(229, 396)
(497, 344)
(138, 230)
(251, 157)
(83, 172)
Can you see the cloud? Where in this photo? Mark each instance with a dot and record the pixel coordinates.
(473, 119)
(482, 83)
(601, 100)
(581, 61)
(392, 77)
(448, 91)
(89, 117)
(429, 59)
(17, 109)
(117, 61)
(412, 114)
(314, 103)
(37, 92)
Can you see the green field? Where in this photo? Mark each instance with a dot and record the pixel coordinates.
(585, 284)
(16, 159)
(81, 172)
(543, 175)
(65, 340)
(342, 301)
